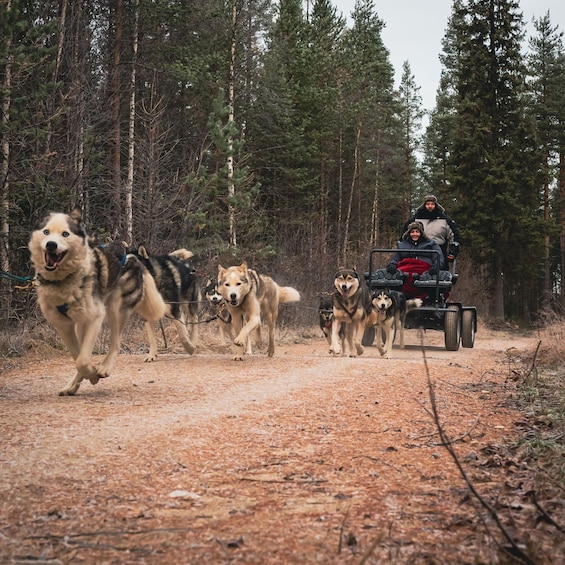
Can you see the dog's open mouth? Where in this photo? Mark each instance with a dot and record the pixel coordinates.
(53, 260)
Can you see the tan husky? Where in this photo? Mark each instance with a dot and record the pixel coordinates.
(79, 285)
(249, 295)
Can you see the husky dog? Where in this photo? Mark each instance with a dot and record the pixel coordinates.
(249, 295)
(351, 306)
(390, 308)
(217, 306)
(178, 284)
(80, 285)
(326, 316)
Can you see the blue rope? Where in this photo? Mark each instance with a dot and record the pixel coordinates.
(5, 275)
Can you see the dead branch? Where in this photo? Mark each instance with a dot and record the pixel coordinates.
(545, 515)
(516, 552)
(112, 533)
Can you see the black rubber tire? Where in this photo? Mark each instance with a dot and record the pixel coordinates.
(468, 328)
(452, 329)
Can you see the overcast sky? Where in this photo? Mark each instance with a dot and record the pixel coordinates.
(415, 28)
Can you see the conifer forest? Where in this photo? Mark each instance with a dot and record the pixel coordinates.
(273, 132)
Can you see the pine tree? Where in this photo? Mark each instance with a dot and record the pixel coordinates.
(411, 115)
(547, 82)
(494, 167)
(373, 162)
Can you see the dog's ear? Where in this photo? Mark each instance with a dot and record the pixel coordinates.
(76, 215)
(142, 252)
(221, 271)
(243, 266)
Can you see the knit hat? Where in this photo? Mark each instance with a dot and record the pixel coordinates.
(414, 226)
(431, 198)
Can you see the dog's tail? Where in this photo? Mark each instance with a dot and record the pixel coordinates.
(288, 294)
(152, 307)
(182, 254)
(413, 303)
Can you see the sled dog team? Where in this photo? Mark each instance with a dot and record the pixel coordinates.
(80, 285)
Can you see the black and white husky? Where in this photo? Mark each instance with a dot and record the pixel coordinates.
(178, 284)
(389, 313)
(217, 306)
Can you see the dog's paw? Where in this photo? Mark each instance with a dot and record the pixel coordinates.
(360, 349)
(150, 358)
(70, 389)
(335, 351)
(238, 357)
(101, 373)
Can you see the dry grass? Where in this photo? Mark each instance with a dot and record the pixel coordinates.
(541, 387)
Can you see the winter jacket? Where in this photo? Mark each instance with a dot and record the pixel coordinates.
(422, 243)
(437, 226)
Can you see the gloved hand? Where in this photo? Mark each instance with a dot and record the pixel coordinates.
(433, 270)
(454, 248)
(391, 268)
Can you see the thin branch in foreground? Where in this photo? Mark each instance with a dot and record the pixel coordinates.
(515, 552)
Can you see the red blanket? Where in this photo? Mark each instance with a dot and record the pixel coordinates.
(412, 266)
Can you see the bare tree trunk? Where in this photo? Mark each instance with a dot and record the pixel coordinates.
(561, 197)
(131, 140)
(78, 101)
(58, 58)
(340, 197)
(231, 94)
(546, 239)
(153, 111)
(343, 258)
(116, 173)
(375, 209)
(6, 298)
(498, 296)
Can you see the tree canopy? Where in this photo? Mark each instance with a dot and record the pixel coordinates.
(181, 124)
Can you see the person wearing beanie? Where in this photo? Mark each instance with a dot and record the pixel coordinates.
(438, 225)
(408, 258)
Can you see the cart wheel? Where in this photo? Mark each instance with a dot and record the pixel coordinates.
(452, 329)
(469, 328)
(368, 336)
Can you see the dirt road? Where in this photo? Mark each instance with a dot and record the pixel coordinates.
(302, 458)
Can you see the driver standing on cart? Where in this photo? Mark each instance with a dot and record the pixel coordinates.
(411, 261)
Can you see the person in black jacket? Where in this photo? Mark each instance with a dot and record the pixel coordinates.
(409, 259)
(437, 225)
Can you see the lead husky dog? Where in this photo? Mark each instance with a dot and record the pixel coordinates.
(79, 285)
(178, 284)
(249, 295)
(390, 308)
(351, 306)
